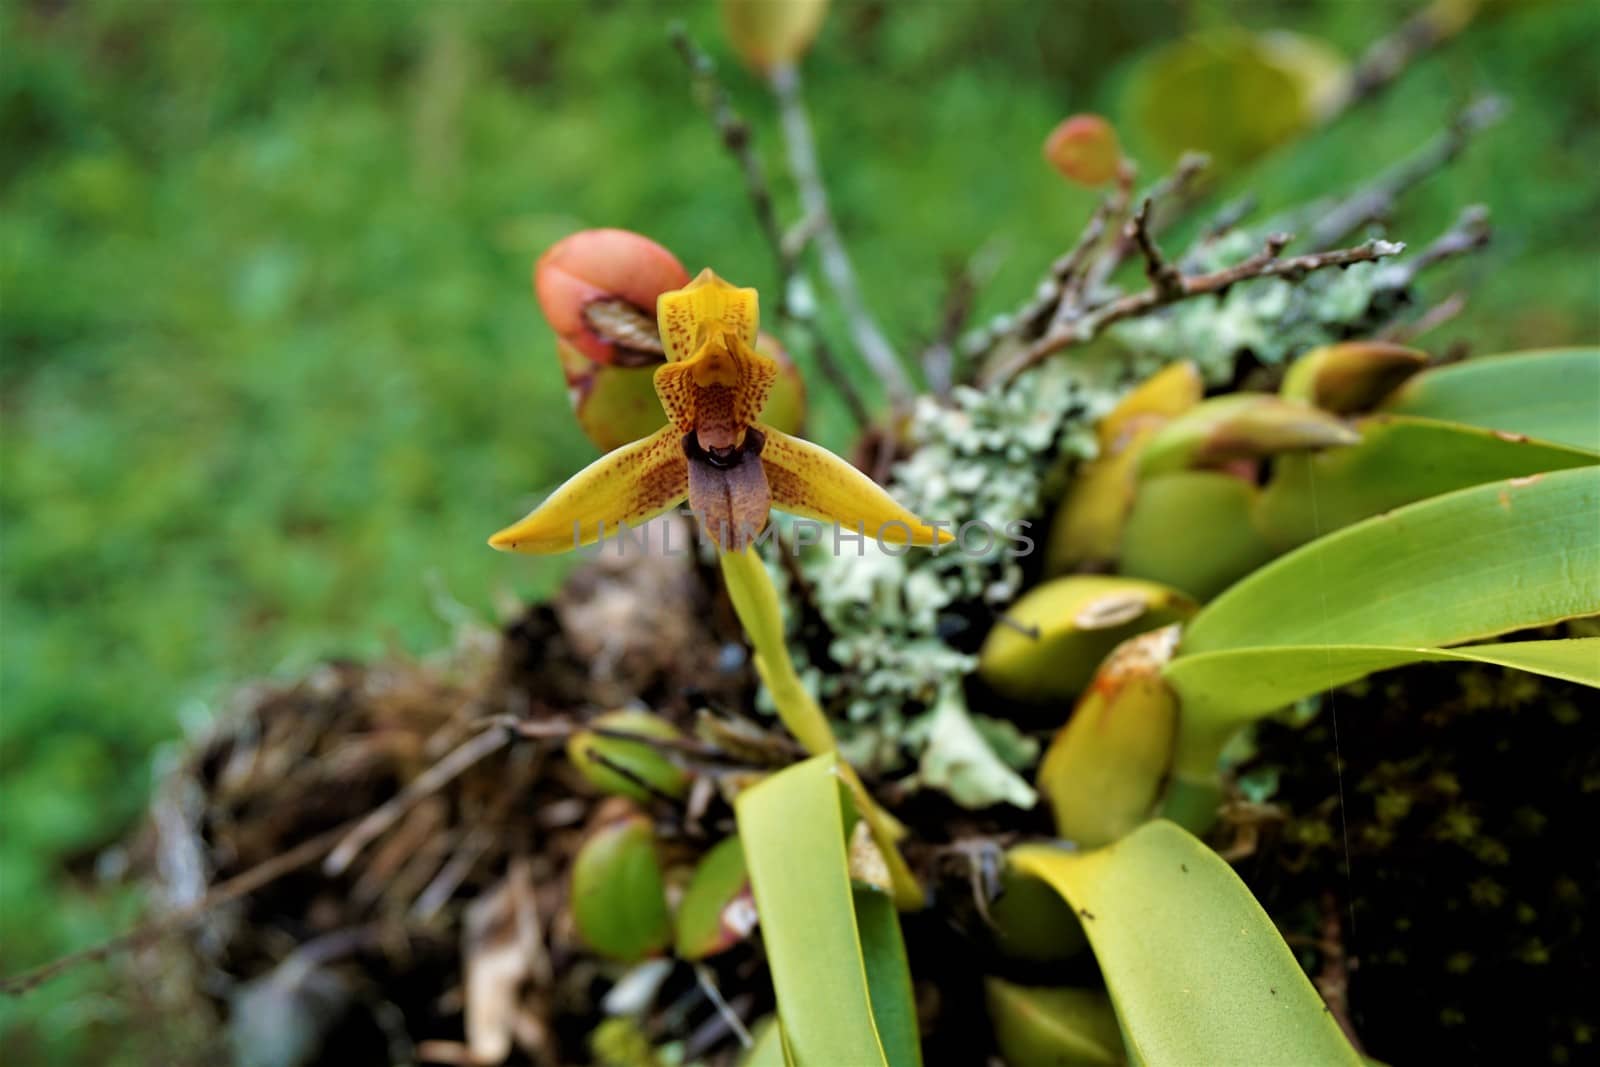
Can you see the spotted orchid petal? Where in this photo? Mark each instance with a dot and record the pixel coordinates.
(707, 306)
(715, 383)
(630, 485)
(808, 480)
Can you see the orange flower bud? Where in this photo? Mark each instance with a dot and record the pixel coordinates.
(1084, 148)
(598, 289)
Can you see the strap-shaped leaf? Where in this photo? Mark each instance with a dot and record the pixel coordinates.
(1553, 395)
(1195, 968)
(883, 950)
(1061, 1027)
(1470, 564)
(844, 993)
(1399, 460)
(1221, 691)
(767, 1047)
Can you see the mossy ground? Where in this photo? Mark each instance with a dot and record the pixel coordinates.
(1445, 840)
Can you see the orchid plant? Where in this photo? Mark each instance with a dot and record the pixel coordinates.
(733, 469)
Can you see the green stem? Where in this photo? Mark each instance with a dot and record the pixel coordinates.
(1192, 802)
(756, 602)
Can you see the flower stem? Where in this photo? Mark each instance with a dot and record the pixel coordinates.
(756, 603)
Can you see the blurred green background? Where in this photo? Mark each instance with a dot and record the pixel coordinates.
(272, 371)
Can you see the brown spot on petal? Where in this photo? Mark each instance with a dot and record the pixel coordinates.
(728, 490)
(718, 391)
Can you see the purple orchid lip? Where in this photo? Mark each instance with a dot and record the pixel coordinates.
(728, 489)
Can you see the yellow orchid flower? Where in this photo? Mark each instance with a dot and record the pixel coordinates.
(732, 468)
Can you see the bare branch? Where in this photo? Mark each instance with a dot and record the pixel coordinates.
(1167, 199)
(1164, 277)
(429, 781)
(1072, 272)
(1387, 58)
(1468, 233)
(836, 266)
(1264, 264)
(1054, 298)
(734, 132)
(939, 357)
(240, 885)
(1403, 333)
(1375, 200)
(1227, 217)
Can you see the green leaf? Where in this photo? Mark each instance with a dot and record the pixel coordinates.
(633, 769)
(1030, 921)
(1105, 769)
(1058, 633)
(792, 826)
(1194, 966)
(709, 919)
(894, 1007)
(1233, 94)
(1060, 1027)
(1221, 691)
(1219, 542)
(1400, 460)
(767, 1048)
(618, 899)
(1553, 395)
(1466, 565)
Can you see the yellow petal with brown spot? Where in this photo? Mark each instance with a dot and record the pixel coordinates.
(691, 316)
(635, 483)
(808, 480)
(718, 392)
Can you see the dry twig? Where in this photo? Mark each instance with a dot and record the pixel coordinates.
(939, 357)
(1468, 233)
(1387, 58)
(1375, 200)
(835, 261)
(735, 135)
(1264, 264)
(240, 885)
(428, 782)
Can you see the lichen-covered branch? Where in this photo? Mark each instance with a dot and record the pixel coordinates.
(1170, 287)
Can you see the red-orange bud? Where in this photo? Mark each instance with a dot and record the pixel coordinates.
(1084, 148)
(598, 290)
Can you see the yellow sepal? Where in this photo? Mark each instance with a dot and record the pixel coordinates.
(630, 485)
(810, 481)
(688, 317)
